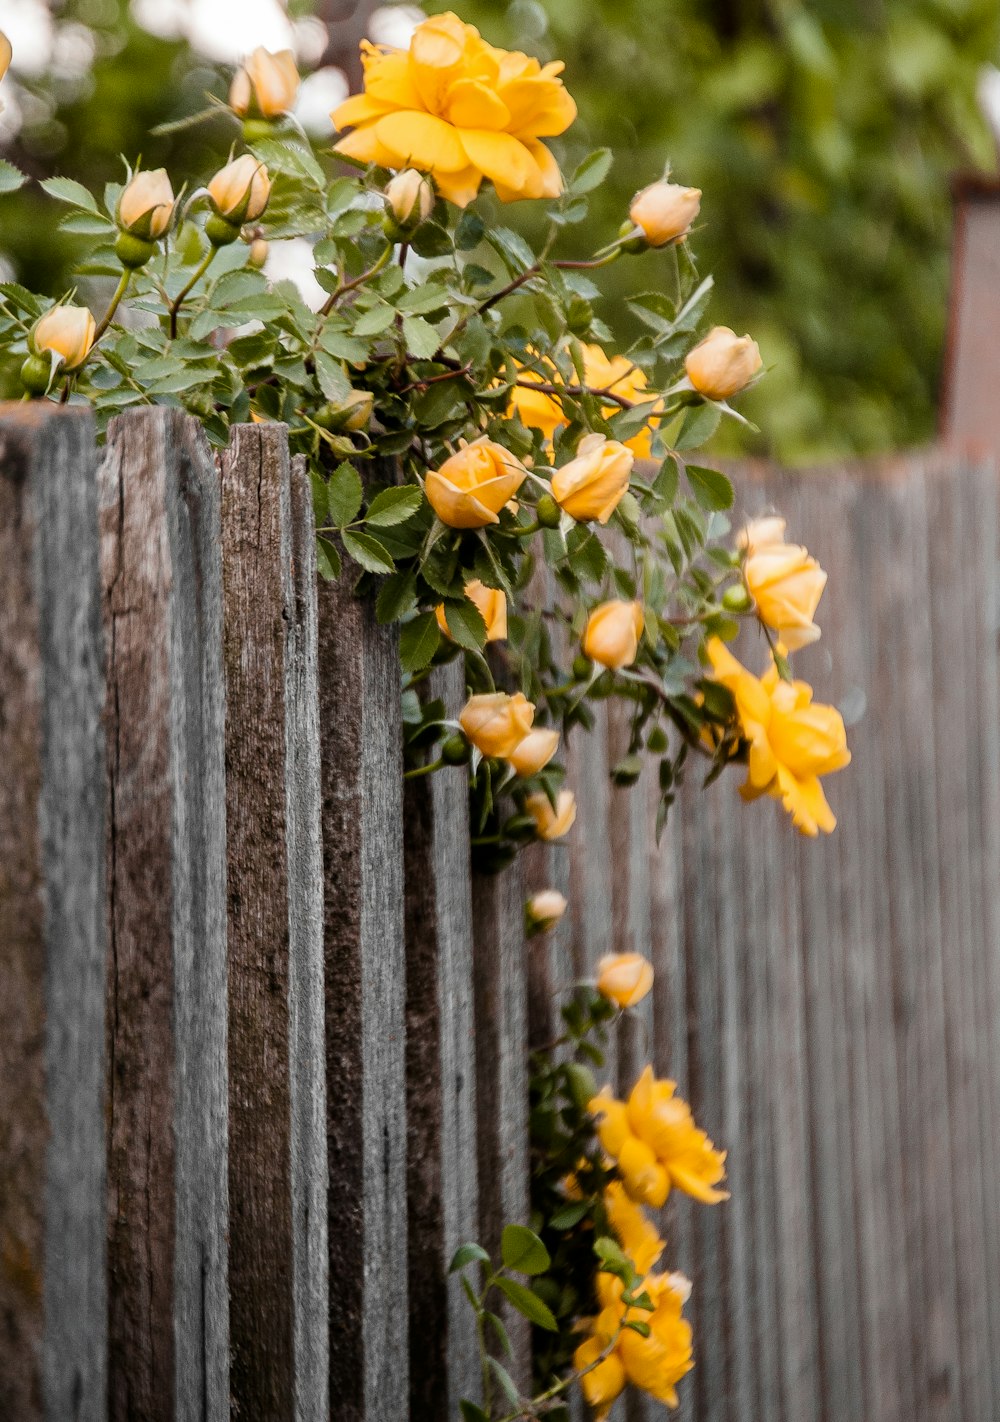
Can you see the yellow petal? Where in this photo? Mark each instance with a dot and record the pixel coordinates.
(471, 104)
(363, 144)
(457, 507)
(505, 160)
(459, 188)
(422, 140)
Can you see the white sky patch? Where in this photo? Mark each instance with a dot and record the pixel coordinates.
(394, 25)
(318, 97)
(293, 261)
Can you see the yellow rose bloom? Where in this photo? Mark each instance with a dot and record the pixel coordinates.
(492, 606)
(240, 191)
(65, 331)
(655, 1364)
(552, 823)
(636, 1234)
(722, 364)
(624, 978)
(535, 751)
(612, 634)
(759, 532)
(458, 108)
(786, 584)
(496, 723)
(147, 205)
(793, 741)
(665, 211)
(591, 485)
(266, 84)
(656, 1144)
(616, 374)
(471, 487)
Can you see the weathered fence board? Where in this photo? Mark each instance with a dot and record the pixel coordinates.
(167, 1119)
(52, 926)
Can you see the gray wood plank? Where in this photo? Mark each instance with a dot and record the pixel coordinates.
(361, 758)
(277, 1104)
(168, 1324)
(53, 934)
(443, 1197)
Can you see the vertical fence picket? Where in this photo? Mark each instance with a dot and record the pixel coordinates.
(361, 758)
(276, 1088)
(441, 1080)
(53, 931)
(168, 1322)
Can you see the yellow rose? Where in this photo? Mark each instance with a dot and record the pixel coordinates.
(544, 910)
(601, 1382)
(665, 211)
(65, 331)
(257, 256)
(636, 1234)
(471, 487)
(786, 584)
(591, 485)
(492, 605)
(6, 54)
(535, 751)
(460, 109)
(624, 978)
(147, 205)
(793, 741)
(266, 84)
(240, 190)
(496, 723)
(722, 364)
(612, 634)
(410, 198)
(656, 1363)
(552, 823)
(615, 374)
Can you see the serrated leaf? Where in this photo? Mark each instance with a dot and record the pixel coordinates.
(85, 224)
(467, 1254)
(236, 285)
(327, 560)
(372, 555)
(521, 1249)
(21, 297)
(592, 171)
(68, 190)
(332, 378)
(512, 247)
(375, 321)
(11, 178)
(418, 641)
(710, 487)
(700, 423)
(421, 299)
(465, 624)
(666, 481)
(528, 1305)
(394, 506)
(421, 338)
(344, 494)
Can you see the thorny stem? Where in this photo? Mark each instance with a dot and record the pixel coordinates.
(645, 679)
(178, 300)
(603, 394)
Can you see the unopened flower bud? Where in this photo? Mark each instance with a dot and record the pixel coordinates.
(146, 205)
(548, 512)
(67, 332)
(6, 54)
(133, 252)
(36, 375)
(543, 911)
(455, 750)
(665, 211)
(266, 85)
(612, 634)
(257, 255)
(624, 978)
(353, 413)
(240, 191)
(410, 201)
(737, 599)
(722, 364)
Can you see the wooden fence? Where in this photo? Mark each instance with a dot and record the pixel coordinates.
(263, 1039)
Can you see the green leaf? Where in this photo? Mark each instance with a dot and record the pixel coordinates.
(344, 494)
(418, 641)
(712, 489)
(327, 560)
(513, 249)
(467, 1254)
(521, 1249)
(373, 556)
(471, 1413)
(11, 178)
(528, 1305)
(569, 1216)
(69, 191)
(592, 171)
(20, 297)
(394, 506)
(375, 321)
(332, 379)
(665, 483)
(507, 1383)
(396, 597)
(421, 338)
(85, 224)
(465, 625)
(700, 423)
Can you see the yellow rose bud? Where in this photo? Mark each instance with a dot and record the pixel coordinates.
(591, 485)
(410, 198)
(492, 605)
(786, 584)
(612, 634)
(240, 190)
(257, 256)
(544, 910)
(552, 823)
(535, 751)
(266, 84)
(471, 487)
(759, 532)
(496, 723)
(625, 978)
(65, 331)
(722, 364)
(665, 211)
(146, 205)
(6, 54)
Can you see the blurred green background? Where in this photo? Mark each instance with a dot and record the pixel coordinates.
(823, 138)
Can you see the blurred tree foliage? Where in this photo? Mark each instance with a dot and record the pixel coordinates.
(823, 139)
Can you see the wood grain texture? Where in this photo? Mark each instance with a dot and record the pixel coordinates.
(362, 809)
(52, 923)
(277, 1099)
(442, 1187)
(168, 1320)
